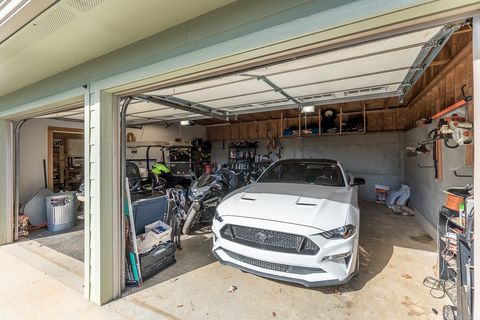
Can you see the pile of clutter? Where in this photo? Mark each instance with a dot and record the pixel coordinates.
(397, 201)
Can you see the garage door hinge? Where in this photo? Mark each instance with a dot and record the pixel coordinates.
(417, 68)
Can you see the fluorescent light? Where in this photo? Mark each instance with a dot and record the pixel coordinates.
(187, 123)
(308, 109)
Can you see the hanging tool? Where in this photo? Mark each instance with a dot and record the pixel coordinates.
(454, 106)
(415, 151)
(453, 127)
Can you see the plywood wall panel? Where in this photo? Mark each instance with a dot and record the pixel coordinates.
(262, 129)
(226, 132)
(252, 129)
(460, 79)
(273, 126)
(215, 133)
(449, 88)
(235, 131)
(243, 135)
(372, 122)
(400, 119)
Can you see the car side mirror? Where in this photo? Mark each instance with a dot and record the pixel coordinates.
(357, 182)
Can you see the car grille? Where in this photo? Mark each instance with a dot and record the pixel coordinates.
(269, 240)
(259, 263)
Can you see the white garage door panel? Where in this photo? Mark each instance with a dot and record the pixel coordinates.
(76, 117)
(160, 113)
(352, 68)
(227, 90)
(416, 38)
(144, 107)
(413, 39)
(258, 97)
(63, 114)
(348, 84)
(194, 86)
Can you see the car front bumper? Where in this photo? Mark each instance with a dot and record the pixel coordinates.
(308, 270)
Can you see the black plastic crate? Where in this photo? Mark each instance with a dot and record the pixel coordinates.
(158, 259)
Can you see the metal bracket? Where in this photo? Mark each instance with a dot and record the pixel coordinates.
(416, 68)
(280, 90)
(421, 166)
(184, 105)
(462, 175)
(429, 51)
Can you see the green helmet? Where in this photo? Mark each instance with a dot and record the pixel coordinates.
(160, 168)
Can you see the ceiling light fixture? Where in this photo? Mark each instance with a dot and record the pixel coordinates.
(187, 123)
(308, 109)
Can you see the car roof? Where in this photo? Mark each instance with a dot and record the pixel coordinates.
(308, 160)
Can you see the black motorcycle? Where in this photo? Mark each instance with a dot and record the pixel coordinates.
(205, 195)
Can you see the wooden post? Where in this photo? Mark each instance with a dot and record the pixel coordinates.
(341, 118)
(364, 117)
(299, 123)
(319, 120)
(281, 124)
(305, 121)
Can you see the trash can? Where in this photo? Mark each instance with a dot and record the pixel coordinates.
(61, 211)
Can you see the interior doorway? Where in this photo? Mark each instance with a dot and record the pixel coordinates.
(65, 158)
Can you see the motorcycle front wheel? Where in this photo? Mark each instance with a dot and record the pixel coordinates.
(192, 216)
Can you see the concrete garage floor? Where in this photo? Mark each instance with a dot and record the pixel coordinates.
(396, 255)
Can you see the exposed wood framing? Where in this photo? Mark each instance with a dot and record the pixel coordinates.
(449, 67)
(379, 120)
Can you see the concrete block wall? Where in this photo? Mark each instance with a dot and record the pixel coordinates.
(376, 157)
(427, 195)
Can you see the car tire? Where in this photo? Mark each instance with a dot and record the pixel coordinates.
(190, 221)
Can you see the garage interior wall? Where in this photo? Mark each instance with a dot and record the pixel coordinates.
(33, 149)
(377, 157)
(432, 94)
(33, 146)
(163, 133)
(427, 195)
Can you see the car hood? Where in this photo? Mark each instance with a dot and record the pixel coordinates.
(320, 207)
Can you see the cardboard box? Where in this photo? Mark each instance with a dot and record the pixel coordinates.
(155, 234)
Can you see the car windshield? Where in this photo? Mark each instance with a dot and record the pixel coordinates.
(324, 174)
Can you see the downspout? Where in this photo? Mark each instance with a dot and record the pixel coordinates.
(16, 210)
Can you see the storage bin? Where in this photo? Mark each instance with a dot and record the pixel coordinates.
(61, 211)
(157, 259)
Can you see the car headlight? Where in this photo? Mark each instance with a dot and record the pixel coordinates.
(343, 232)
(217, 216)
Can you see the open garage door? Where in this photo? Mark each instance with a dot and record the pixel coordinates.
(378, 69)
